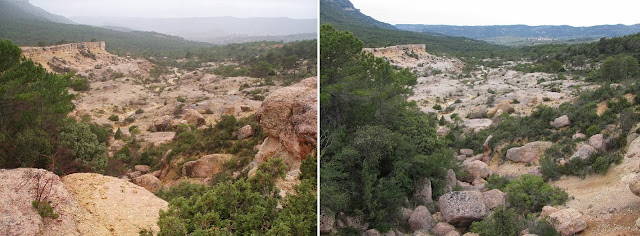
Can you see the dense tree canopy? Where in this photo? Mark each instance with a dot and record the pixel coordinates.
(375, 146)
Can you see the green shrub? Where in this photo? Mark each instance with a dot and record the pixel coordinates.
(495, 181)
(240, 207)
(549, 169)
(118, 134)
(593, 130)
(81, 84)
(181, 99)
(44, 209)
(530, 193)
(437, 107)
(84, 144)
(503, 222)
(114, 117)
(184, 189)
(139, 111)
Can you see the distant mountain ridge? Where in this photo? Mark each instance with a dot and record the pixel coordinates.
(211, 29)
(29, 11)
(343, 15)
(562, 32)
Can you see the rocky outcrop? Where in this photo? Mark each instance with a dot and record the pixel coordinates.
(584, 152)
(529, 153)
(289, 117)
(421, 219)
(18, 188)
(120, 206)
(462, 207)
(560, 122)
(354, 222)
(206, 166)
(86, 204)
(144, 169)
(466, 152)
(503, 106)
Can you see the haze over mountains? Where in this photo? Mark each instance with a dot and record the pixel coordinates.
(343, 15)
(213, 29)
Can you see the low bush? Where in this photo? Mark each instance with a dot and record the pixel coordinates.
(529, 193)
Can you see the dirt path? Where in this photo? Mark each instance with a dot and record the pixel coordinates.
(606, 201)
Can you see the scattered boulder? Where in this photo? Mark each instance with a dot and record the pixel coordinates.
(245, 108)
(421, 219)
(206, 166)
(442, 131)
(560, 122)
(245, 132)
(327, 221)
(451, 181)
(579, 136)
(442, 229)
(466, 152)
(462, 207)
(149, 182)
(421, 233)
(597, 141)
(406, 213)
(371, 232)
(529, 153)
(503, 106)
(634, 185)
(567, 221)
(584, 152)
(134, 174)
(494, 198)
(164, 123)
(354, 222)
(193, 117)
(423, 192)
(452, 233)
(144, 169)
(478, 112)
(476, 169)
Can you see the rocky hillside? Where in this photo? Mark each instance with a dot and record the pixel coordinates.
(81, 204)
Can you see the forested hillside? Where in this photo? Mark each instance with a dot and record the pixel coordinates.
(28, 29)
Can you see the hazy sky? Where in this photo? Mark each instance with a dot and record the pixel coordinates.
(298, 9)
(502, 12)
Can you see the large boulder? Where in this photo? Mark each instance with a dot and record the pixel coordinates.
(478, 112)
(494, 198)
(476, 169)
(584, 152)
(423, 192)
(289, 117)
(567, 221)
(561, 122)
(597, 141)
(442, 229)
(193, 117)
(503, 106)
(206, 166)
(466, 152)
(421, 219)
(634, 185)
(18, 188)
(245, 132)
(122, 207)
(462, 207)
(450, 180)
(529, 153)
(164, 123)
(148, 181)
